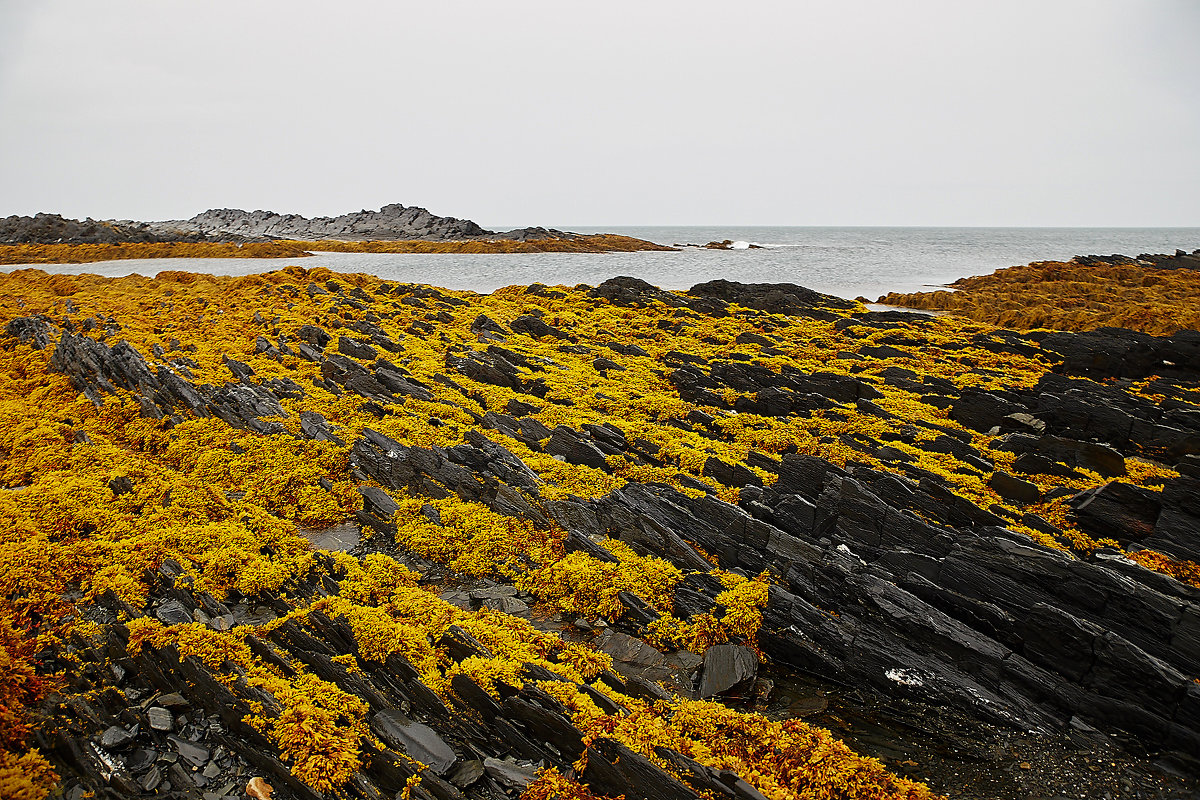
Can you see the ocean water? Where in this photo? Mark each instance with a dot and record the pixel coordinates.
(848, 262)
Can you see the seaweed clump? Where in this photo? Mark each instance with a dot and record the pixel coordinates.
(1153, 296)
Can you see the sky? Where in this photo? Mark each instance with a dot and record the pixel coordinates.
(655, 112)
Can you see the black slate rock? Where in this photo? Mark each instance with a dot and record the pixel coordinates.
(1013, 488)
(116, 738)
(727, 667)
(419, 741)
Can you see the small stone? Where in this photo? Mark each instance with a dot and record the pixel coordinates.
(174, 700)
(508, 605)
(258, 789)
(194, 754)
(212, 770)
(727, 666)
(151, 780)
(416, 740)
(509, 774)
(141, 760)
(160, 719)
(223, 622)
(173, 612)
(116, 738)
(493, 593)
(466, 773)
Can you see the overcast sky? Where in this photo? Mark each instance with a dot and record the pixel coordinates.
(558, 113)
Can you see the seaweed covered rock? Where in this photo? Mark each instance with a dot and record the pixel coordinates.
(567, 580)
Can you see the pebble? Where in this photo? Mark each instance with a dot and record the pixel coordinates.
(160, 719)
(172, 700)
(508, 773)
(151, 780)
(173, 612)
(258, 789)
(466, 773)
(116, 738)
(192, 753)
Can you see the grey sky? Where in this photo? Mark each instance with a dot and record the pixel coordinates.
(1056, 112)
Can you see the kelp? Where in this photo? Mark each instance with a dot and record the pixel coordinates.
(286, 248)
(1071, 296)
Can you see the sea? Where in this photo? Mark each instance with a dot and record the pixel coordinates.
(849, 262)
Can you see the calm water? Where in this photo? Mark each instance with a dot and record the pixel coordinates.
(848, 262)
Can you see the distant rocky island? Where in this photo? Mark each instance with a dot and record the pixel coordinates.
(391, 223)
(217, 232)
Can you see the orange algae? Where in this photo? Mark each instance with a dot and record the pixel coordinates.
(1071, 296)
(85, 253)
(295, 248)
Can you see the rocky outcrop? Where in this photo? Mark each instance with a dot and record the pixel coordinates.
(776, 298)
(55, 229)
(393, 221)
(97, 369)
(959, 612)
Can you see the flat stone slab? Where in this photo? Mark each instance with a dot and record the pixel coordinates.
(726, 666)
(418, 741)
(341, 538)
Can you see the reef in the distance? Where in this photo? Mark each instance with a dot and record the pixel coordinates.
(233, 233)
(349, 538)
(1154, 294)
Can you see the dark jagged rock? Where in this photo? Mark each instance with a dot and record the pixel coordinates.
(1122, 353)
(729, 474)
(354, 348)
(415, 739)
(1014, 488)
(34, 331)
(625, 291)
(54, 229)
(96, 369)
(314, 336)
(775, 298)
(612, 768)
(478, 470)
(1177, 529)
(508, 774)
(572, 448)
(1117, 511)
(983, 411)
(393, 221)
(536, 328)
(727, 667)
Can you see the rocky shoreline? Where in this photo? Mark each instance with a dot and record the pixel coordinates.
(393, 222)
(233, 233)
(603, 531)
